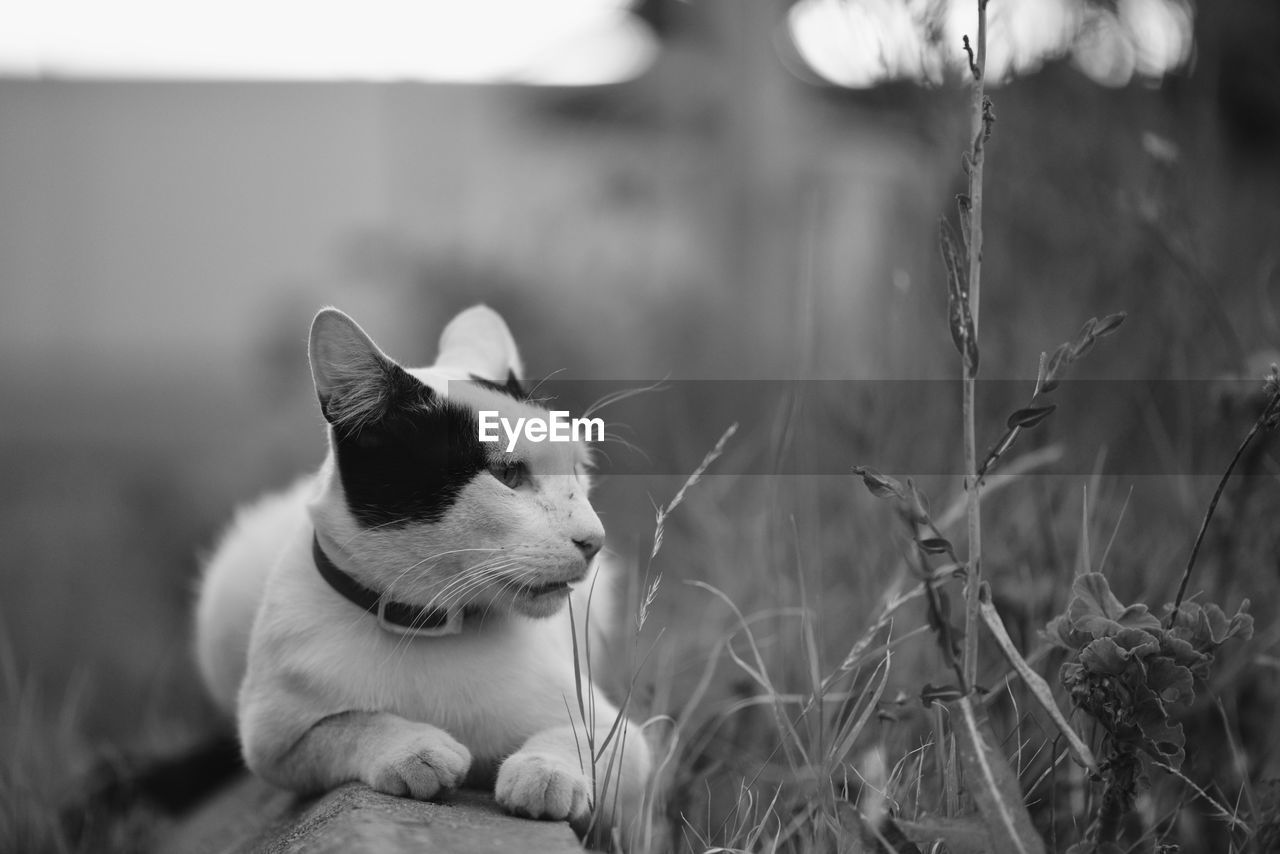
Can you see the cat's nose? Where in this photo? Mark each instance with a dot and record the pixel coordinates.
(589, 545)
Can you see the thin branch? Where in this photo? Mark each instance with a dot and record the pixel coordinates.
(1268, 414)
(975, 159)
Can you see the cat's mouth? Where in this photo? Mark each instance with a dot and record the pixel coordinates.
(550, 588)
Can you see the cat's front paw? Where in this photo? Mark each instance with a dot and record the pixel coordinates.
(419, 764)
(541, 785)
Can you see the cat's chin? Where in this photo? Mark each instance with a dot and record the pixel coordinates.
(540, 602)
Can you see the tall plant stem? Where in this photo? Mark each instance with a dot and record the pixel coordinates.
(1271, 410)
(974, 581)
(981, 120)
(1117, 796)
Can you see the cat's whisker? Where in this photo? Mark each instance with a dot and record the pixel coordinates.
(512, 580)
(457, 587)
(446, 554)
(529, 395)
(473, 582)
(463, 593)
(483, 568)
(400, 575)
(613, 397)
(445, 596)
(446, 599)
(441, 599)
(516, 579)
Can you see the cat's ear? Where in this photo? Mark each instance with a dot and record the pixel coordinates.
(478, 342)
(355, 381)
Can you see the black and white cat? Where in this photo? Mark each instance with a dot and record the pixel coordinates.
(399, 617)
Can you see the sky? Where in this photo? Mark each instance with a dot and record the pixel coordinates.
(860, 43)
(852, 43)
(569, 42)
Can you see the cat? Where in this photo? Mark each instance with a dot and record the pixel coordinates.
(400, 617)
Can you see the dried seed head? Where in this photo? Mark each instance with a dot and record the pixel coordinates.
(1271, 385)
(879, 485)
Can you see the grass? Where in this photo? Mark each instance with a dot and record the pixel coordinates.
(39, 739)
(799, 726)
(782, 742)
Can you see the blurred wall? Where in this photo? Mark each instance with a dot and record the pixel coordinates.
(163, 246)
(148, 223)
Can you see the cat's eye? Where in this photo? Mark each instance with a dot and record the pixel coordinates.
(513, 474)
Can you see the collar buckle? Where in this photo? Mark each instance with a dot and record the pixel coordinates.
(397, 618)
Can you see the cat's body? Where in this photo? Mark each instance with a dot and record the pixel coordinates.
(408, 505)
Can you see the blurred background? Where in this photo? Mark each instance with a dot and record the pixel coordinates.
(645, 190)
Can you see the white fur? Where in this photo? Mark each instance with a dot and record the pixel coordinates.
(478, 341)
(323, 695)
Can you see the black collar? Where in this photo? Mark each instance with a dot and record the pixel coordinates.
(397, 617)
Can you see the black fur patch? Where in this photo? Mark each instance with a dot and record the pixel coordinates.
(512, 386)
(411, 462)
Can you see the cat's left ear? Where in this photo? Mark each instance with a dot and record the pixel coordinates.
(478, 342)
(355, 381)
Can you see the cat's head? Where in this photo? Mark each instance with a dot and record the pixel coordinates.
(415, 505)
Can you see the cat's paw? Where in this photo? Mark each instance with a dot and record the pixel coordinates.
(541, 785)
(419, 764)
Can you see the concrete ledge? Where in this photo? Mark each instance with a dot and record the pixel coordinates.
(251, 817)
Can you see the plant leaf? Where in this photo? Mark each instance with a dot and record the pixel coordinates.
(992, 783)
(1093, 598)
(848, 734)
(1057, 364)
(1083, 347)
(917, 505)
(971, 354)
(1042, 371)
(959, 322)
(1161, 737)
(881, 486)
(996, 452)
(931, 694)
(1138, 643)
(965, 208)
(1030, 416)
(959, 317)
(1181, 652)
(1105, 657)
(957, 275)
(1085, 335)
(1062, 632)
(1039, 688)
(1173, 683)
(935, 545)
(1109, 324)
(1096, 610)
(1206, 627)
